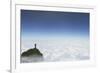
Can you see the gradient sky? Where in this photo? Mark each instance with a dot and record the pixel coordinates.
(52, 23)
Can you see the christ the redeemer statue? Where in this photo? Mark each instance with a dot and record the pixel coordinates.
(35, 45)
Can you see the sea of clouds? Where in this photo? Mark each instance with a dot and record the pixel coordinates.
(59, 49)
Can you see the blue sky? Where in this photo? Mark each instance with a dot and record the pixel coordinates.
(54, 24)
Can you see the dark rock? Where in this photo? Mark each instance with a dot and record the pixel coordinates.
(32, 55)
(31, 52)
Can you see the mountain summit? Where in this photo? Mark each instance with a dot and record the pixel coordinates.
(32, 52)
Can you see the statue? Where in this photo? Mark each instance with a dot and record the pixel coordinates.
(35, 45)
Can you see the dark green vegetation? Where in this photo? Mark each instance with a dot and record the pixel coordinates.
(32, 52)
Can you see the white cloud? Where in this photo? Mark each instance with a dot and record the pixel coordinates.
(60, 49)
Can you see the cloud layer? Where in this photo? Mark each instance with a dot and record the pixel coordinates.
(60, 50)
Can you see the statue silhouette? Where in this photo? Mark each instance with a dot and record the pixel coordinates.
(35, 45)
